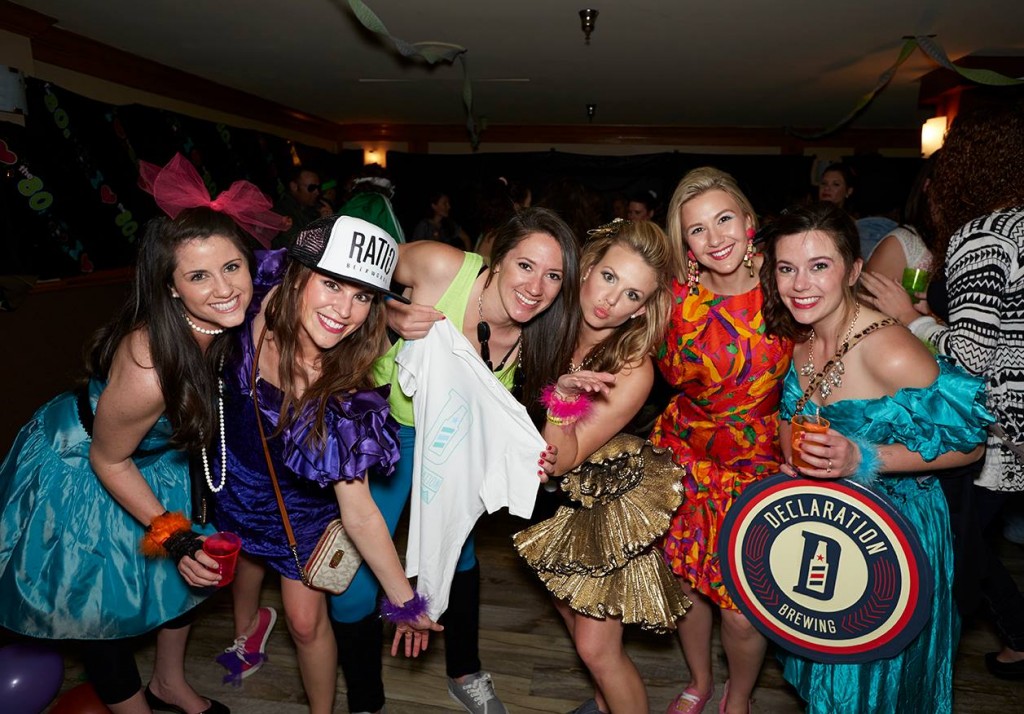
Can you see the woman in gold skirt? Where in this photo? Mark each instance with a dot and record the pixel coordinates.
(596, 558)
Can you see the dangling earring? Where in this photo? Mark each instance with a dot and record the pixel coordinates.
(748, 257)
(692, 270)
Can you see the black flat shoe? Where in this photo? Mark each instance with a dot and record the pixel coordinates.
(159, 705)
(1004, 670)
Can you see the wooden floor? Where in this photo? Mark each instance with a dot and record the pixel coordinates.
(524, 645)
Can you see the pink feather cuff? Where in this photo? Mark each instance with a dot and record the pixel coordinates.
(562, 411)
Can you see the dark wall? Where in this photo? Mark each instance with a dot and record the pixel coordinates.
(42, 347)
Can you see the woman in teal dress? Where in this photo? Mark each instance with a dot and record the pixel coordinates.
(896, 416)
(100, 475)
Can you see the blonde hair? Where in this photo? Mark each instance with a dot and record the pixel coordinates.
(637, 337)
(698, 182)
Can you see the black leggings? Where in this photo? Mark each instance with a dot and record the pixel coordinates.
(110, 664)
(360, 643)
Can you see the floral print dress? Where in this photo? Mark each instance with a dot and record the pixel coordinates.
(722, 424)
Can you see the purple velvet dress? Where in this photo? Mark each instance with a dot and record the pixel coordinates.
(361, 437)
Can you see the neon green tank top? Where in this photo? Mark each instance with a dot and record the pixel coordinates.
(453, 304)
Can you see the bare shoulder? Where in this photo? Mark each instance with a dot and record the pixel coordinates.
(423, 265)
(133, 377)
(888, 258)
(896, 359)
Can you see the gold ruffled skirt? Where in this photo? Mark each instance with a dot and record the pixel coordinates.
(598, 557)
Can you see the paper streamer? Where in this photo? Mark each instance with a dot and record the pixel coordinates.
(431, 53)
(934, 52)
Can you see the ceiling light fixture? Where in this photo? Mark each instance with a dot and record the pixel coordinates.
(588, 18)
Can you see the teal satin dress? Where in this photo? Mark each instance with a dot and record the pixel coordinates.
(70, 566)
(949, 415)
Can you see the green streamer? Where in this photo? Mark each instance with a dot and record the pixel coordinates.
(932, 50)
(431, 53)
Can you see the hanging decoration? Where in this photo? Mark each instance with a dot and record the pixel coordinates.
(928, 45)
(429, 52)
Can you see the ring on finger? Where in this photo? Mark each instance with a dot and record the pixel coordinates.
(828, 469)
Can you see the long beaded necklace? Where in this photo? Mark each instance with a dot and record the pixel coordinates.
(483, 336)
(223, 440)
(832, 377)
(201, 330)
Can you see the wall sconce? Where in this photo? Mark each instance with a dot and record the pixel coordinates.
(591, 111)
(375, 156)
(933, 132)
(588, 18)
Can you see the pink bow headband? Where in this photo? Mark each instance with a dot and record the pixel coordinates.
(178, 186)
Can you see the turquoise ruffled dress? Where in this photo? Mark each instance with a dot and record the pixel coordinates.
(70, 566)
(949, 415)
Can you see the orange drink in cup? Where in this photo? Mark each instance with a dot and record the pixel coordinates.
(802, 423)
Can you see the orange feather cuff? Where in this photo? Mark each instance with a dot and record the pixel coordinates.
(163, 527)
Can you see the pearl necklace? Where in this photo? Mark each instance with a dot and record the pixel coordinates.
(223, 440)
(833, 378)
(201, 330)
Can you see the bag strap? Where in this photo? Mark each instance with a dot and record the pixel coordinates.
(817, 379)
(270, 462)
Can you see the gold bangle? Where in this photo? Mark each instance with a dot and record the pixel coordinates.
(561, 421)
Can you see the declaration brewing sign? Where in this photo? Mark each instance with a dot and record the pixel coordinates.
(826, 569)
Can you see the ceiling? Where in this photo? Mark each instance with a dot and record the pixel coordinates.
(798, 63)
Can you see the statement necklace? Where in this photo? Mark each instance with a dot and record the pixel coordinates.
(483, 336)
(832, 376)
(223, 440)
(201, 330)
(585, 362)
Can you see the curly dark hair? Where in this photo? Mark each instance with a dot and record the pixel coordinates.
(979, 170)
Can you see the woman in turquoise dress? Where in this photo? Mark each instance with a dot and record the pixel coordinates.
(94, 491)
(896, 416)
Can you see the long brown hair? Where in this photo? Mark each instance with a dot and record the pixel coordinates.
(343, 368)
(637, 337)
(550, 338)
(187, 377)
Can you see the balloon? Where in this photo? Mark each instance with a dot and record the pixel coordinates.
(30, 677)
(80, 700)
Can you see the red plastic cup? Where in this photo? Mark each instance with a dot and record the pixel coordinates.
(223, 547)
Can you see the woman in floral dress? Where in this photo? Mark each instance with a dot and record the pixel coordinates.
(722, 423)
